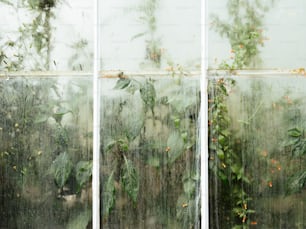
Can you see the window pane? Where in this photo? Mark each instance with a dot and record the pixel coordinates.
(46, 35)
(45, 152)
(150, 34)
(257, 151)
(150, 152)
(262, 34)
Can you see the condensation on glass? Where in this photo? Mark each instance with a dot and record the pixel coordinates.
(45, 152)
(256, 118)
(150, 152)
(150, 167)
(257, 151)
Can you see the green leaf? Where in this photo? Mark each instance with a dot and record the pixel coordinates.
(153, 161)
(138, 35)
(83, 172)
(130, 179)
(61, 169)
(148, 95)
(189, 186)
(109, 197)
(110, 145)
(41, 118)
(176, 146)
(80, 221)
(294, 132)
(122, 83)
(133, 124)
(297, 183)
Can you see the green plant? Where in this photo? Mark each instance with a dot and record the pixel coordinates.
(154, 147)
(225, 160)
(81, 58)
(32, 48)
(43, 156)
(154, 52)
(244, 30)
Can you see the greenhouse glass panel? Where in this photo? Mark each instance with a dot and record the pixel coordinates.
(150, 167)
(45, 151)
(257, 150)
(241, 31)
(150, 113)
(150, 34)
(46, 35)
(256, 107)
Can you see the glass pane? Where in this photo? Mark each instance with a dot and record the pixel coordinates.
(257, 151)
(262, 34)
(150, 152)
(45, 152)
(150, 34)
(46, 35)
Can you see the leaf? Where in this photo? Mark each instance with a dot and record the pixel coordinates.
(108, 200)
(133, 124)
(110, 145)
(80, 221)
(41, 118)
(138, 35)
(294, 132)
(83, 172)
(148, 95)
(297, 183)
(189, 186)
(122, 83)
(154, 161)
(176, 146)
(130, 179)
(61, 169)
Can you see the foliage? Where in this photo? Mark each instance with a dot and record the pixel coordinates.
(130, 179)
(43, 159)
(244, 30)
(225, 162)
(33, 45)
(81, 59)
(154, 52)
(80, 221)
(108, 198)
(61, 169)
(161, 154)
(83, 172)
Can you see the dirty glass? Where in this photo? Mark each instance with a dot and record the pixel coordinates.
(256, 118)
(150, 167)
(45, 152)
(150, 34)
(263, 34)
(257, 151)
(46, 35)
(150, 150)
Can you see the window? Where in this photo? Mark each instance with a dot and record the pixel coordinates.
(100, 114)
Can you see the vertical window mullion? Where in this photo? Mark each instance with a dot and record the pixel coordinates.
(96, 121)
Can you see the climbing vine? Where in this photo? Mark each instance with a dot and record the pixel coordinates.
(244, 30)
